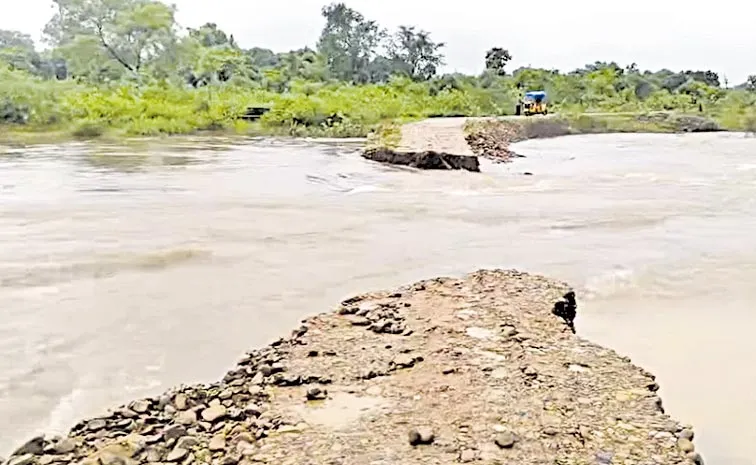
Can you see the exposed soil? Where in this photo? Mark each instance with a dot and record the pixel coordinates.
(429, 160)
(439, 134)
(491, 139)
(430, 144)
(483, 369)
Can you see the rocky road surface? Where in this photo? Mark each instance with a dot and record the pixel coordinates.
(438, 134)
(490, 139)
(471, 370)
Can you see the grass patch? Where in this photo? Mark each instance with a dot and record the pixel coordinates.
(67, 109)
(387, 135)
(88, 130)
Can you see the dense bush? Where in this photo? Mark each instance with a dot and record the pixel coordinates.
(96, 78)
(318, 108)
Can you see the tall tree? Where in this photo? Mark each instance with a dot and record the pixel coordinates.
(131, 33)
(16, 39)
(415, 54)
(17, 50)
(750, 83)
(497, 59)
(262, 57)
(210, 36)
(710, 78)
(304, 63)
(349, 43)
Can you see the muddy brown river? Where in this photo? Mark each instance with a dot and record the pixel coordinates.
(127, 269)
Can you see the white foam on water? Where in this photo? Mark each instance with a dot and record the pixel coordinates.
(464, 193)
(609, 282)
(696, 182)
(66, 412)
(142, 385)
(650, 177)
(538, 186)
(366, 189)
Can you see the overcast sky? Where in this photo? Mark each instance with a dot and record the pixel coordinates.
(677, 34)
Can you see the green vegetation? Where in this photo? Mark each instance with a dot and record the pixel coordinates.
(386, 135)
(125, 68)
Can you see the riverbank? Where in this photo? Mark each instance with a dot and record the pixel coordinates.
(491, 138)
(400, 133)
(69, 110)
(474, 370)
(37, 110)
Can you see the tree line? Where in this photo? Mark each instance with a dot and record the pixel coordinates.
(103, 41)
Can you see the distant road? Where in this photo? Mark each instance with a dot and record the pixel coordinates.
(448, 135)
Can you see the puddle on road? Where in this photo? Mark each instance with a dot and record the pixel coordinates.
(341, 410)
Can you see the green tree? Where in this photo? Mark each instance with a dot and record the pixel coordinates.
(381, 69)
(87, 60)
(710, 78)
(261, 58)
(415, 54)
(674, 82)
(17, 51)
(532, 78)
(130, 33)
(203, 65)
(16, 40)
(304, 63)
(497, 59)
(349, 43)
(600, 66)
(750, 84)
(208, 35)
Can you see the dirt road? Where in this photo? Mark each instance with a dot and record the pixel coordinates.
(439, 134)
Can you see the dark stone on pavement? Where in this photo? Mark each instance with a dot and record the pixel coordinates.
(421, 436)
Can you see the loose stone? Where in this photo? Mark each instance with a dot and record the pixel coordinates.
(140, 406)
(421, 436)
(214, 413)
(181, 402)
(34, 446)
(217, 443)
(187, 442)
(505, 440)
(468, 455)
(174, 432)
(25, 459)
(64, 446)
(186, 417)
(96, 425)
(685, 445)
(316, 394)
(177, 454)
(695, 457)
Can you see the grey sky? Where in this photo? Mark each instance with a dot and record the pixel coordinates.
(677, 34)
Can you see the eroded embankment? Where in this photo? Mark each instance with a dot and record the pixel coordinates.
(437, 143)
(491, 138)
(455, 143)
(477, 369)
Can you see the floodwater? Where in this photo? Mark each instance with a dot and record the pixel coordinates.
(127, 269)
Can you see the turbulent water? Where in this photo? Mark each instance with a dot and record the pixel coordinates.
(127, 269)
